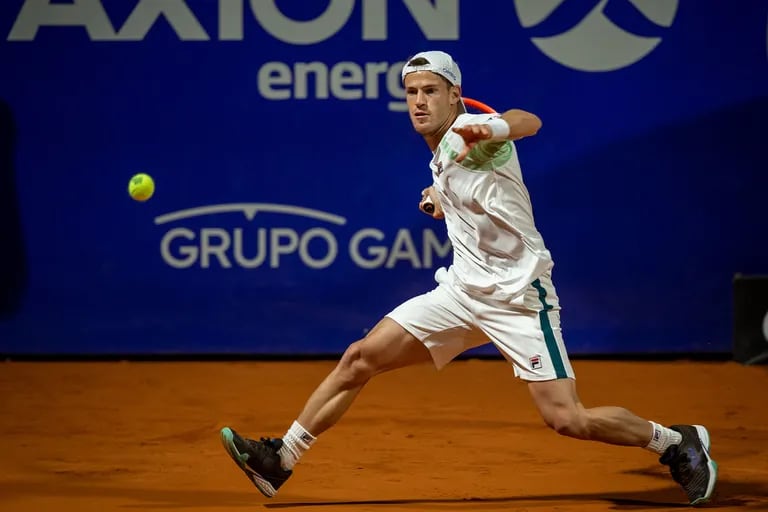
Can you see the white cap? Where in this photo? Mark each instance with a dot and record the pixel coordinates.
(438, 62)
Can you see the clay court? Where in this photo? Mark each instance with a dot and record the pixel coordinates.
(109, 436)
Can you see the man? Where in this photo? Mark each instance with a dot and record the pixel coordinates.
(498, 289)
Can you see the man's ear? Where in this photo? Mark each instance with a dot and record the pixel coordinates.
(455, 94)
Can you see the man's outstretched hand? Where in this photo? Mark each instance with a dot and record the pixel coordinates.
(472, 134)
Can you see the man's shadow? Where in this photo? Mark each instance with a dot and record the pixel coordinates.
(728, 494)
(13, 271)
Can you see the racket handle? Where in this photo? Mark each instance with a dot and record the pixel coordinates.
(428, 206)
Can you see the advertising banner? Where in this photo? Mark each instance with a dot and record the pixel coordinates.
(287, 172)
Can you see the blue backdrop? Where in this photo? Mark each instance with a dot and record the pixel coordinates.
(285, 217)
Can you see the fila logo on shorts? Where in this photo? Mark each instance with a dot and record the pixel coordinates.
(535, 362)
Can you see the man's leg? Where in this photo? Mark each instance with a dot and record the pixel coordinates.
(435, 327)
(269, 462)
(387, 347)
(684, 448)
(528, 333)
(562, 411)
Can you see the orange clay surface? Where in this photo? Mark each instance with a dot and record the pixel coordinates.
(128, 436)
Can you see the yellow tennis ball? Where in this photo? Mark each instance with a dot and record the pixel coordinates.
(141, 187)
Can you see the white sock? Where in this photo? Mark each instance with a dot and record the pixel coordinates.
(295, 442)
(662, 438)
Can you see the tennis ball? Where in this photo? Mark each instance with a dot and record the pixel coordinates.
(141, 187)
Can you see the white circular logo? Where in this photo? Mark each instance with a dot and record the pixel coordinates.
(596, 38)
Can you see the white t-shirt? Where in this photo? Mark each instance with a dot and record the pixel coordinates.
(497, 250)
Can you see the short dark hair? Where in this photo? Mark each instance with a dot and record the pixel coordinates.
(421, 61)
(418, 61)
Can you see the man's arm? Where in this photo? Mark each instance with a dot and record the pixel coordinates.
(513, 124)
(521, 123)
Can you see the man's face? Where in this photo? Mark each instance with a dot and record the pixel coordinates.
(429, 98)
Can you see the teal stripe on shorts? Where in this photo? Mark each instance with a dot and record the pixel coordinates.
(549, 335)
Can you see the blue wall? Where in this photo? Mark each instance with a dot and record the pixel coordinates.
(648, 178)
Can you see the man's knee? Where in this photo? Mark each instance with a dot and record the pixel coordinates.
(387, 347)
(560, 407)
(568, 421)
(353, 368)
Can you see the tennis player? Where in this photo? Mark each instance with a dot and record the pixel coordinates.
(498, 289)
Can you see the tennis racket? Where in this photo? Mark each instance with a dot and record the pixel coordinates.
(478, 106)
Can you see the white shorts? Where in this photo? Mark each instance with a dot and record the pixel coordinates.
(527, 332)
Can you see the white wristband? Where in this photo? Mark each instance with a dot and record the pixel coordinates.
(499, 129)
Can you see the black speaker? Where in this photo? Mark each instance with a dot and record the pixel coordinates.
(750, 319)
(13, 273)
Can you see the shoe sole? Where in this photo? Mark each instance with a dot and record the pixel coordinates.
(266, 488)
(703, 434)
